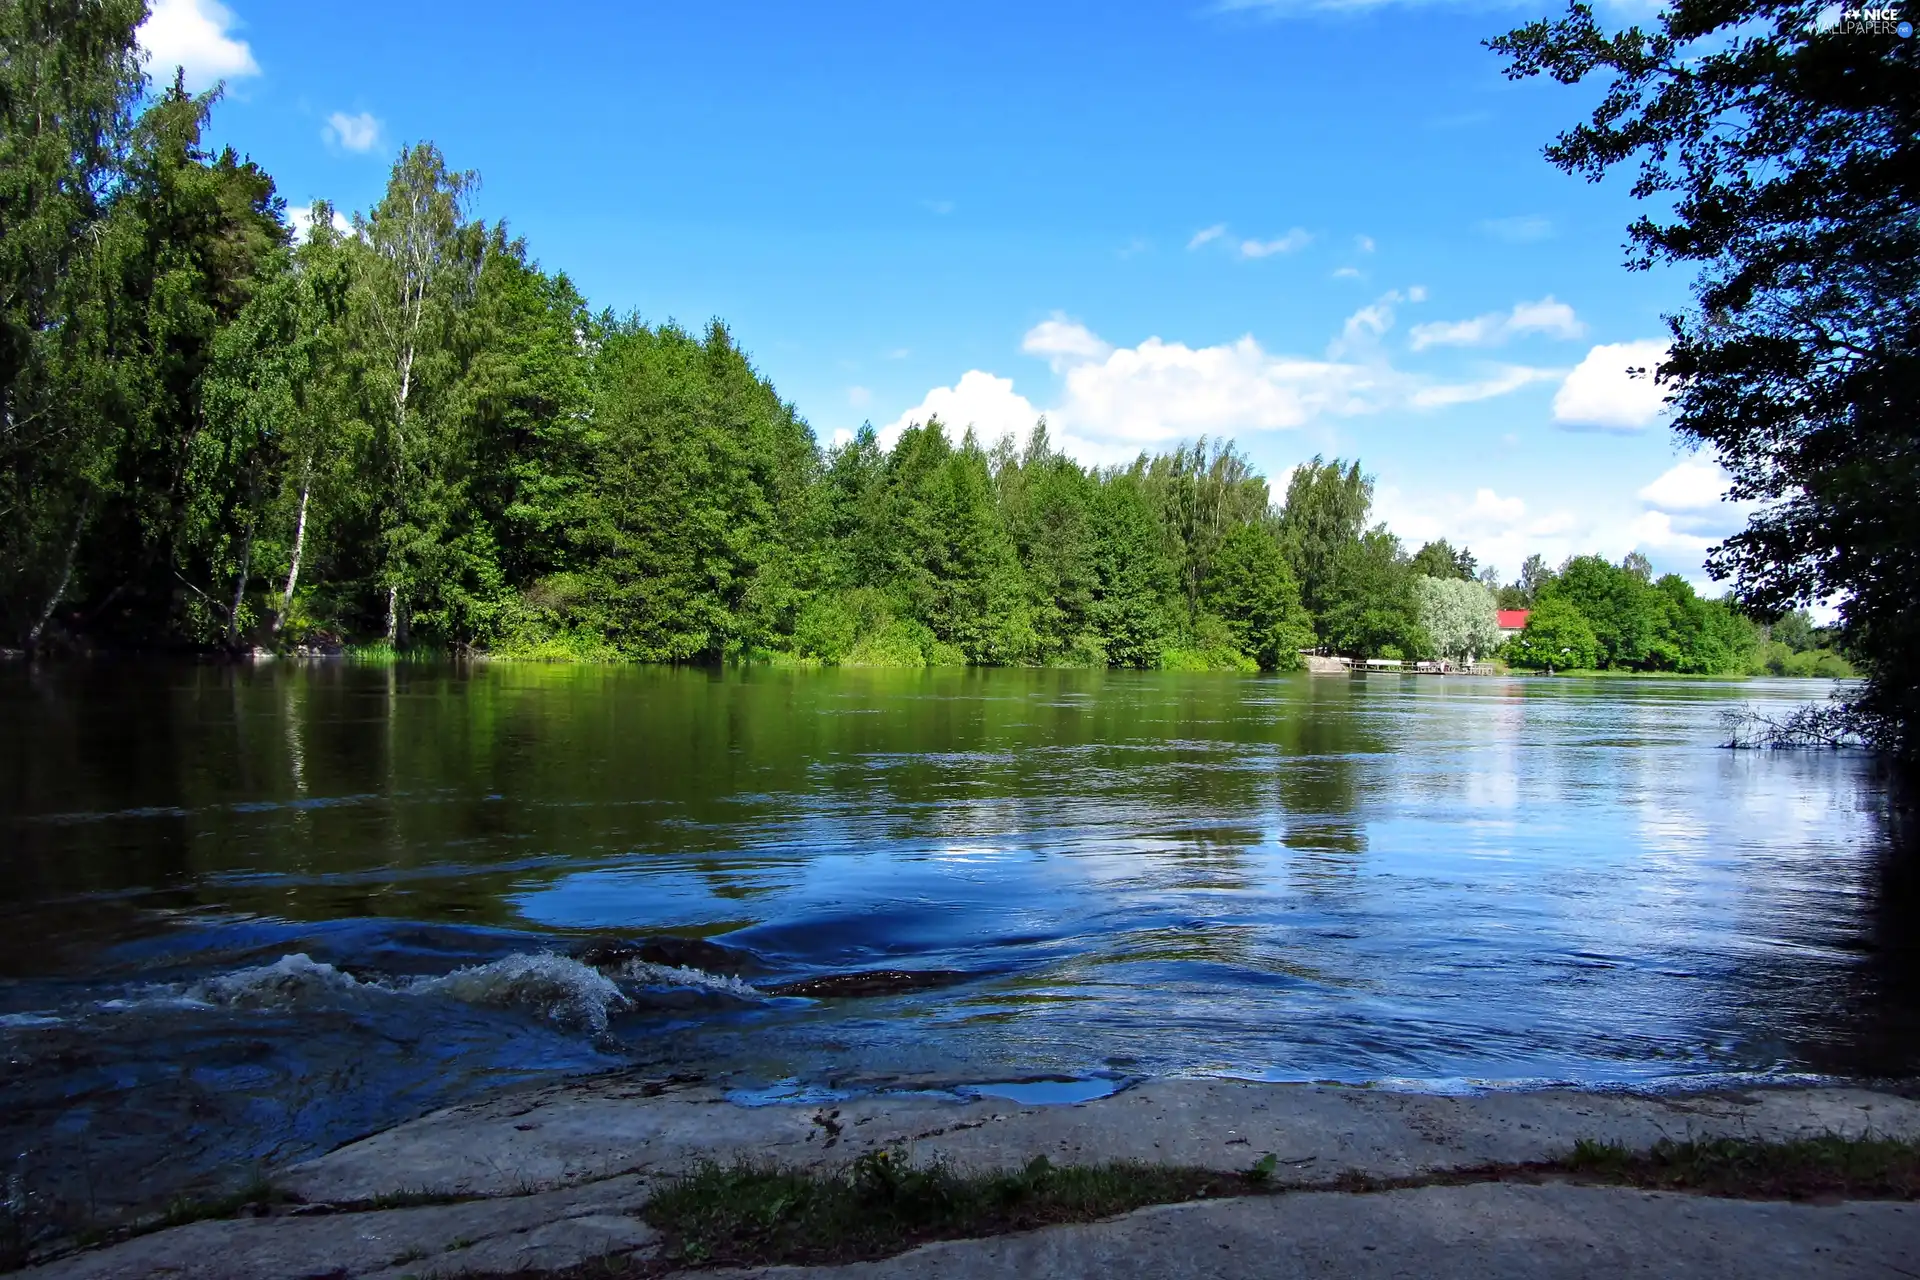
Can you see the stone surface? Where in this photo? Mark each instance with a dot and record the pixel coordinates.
(560, 1171)
(594, 1130)
(1484, 1232)
(498, 1235)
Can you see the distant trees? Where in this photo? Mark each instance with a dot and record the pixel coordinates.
(410, 433)
(1624, 622)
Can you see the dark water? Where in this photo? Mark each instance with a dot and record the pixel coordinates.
(252, 913)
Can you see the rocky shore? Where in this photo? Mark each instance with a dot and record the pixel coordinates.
(549, 1179)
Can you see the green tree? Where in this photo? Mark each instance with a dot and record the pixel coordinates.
(1203, 492)
(69, 80)
(1438, 559)
(1372, 609)
(1557, 635)
(698, 473)
(418, 281)
(1251, 589)
(1781, 156)
(1627, 617)
(186, 240)
(1325, 514)
(1049, 504)
(277, 401)
(1135, 581)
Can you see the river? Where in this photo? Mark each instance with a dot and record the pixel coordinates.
(255, 912)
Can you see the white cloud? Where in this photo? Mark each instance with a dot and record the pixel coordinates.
(979, 400)
(193, 35)
(1524, 230)
(1600, 392)
(1064, 342)
(1548, 316)
(353, 133)
(1363, 243)
(1206, 234)
(1655, 531)
(1508, 378)
(1298, 238)
(1692, 485)
(1115, 401)
(300, 218)
(859, 397)
(1347, 273)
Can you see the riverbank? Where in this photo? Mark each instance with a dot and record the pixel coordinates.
(542, 1180)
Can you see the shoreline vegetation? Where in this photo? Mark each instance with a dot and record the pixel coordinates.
(399, 431)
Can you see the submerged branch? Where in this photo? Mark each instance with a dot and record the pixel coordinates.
(1832, 725)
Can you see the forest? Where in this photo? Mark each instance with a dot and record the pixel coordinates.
(398, 433)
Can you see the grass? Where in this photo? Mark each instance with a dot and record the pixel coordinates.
(1804, 1169)
(257, 1190)
(880, 1205)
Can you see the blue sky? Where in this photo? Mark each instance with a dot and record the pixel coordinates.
(1312, 228)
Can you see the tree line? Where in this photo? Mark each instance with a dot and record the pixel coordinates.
(403, 432)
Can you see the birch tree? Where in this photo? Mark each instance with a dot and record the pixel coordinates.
(419, 278)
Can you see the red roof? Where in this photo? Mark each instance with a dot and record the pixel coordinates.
(1512, 619)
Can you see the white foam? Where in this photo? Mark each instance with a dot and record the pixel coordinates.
(661, 975)
(560, 990)
(31, 1020)
(287, 983)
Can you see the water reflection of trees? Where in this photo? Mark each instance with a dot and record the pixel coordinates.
(322, 791)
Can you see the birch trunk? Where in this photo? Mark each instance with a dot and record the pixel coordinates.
(299, 545)
(66, 577)
(240, 590)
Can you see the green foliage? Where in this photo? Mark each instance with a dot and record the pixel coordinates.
(1438, 559)
(1778, 153)
(413, 438)
(1556, 635)
(1370, 606)
(1325, 513)
(1250, 588)
(881, 1204)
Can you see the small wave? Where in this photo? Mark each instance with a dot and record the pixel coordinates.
(648, 974)
(560, 990)
(288, 983)
(31, 1020)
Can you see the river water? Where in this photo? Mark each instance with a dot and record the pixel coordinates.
(252, 913)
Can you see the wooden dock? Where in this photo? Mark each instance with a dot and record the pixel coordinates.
(1336, 665)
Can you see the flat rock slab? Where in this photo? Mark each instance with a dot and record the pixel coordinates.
(1484, 1232)
(591, 1130)
(479, 1237)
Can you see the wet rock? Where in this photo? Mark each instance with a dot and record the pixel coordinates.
(872, 982)
(498, 1236)
(672, 953)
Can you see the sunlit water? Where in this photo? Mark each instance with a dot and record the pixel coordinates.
(254, 913)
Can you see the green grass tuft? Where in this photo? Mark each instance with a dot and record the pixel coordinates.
(881, 1204)
(1830, 1165)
